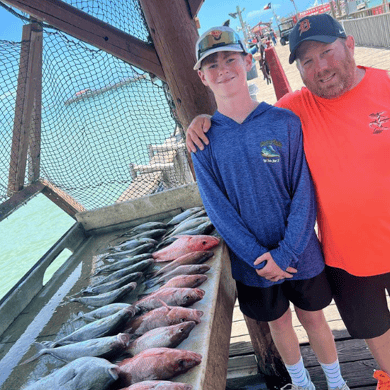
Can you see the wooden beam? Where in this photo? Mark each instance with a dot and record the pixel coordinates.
(269, 361)
(19, 198)
(34, 148)
(28, 74)
(93, 31)
(195, 6)
(62, 199)
(174, 36)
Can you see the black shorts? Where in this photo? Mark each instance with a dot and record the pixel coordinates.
(361, 302)
(270, 303)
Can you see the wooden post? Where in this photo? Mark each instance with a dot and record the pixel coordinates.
(268, 359)
(34, 150)
(29, 70)
(174, 35)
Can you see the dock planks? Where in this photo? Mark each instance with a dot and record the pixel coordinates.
(357, 364)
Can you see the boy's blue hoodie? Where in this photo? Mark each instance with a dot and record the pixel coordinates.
(257, 191)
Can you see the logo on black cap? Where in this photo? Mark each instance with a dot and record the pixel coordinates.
(304, 26)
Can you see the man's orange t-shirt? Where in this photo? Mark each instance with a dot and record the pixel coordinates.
(347, 146)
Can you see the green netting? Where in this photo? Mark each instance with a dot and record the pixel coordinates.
(107, 127)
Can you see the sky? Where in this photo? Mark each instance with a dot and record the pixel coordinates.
(216, 12)
(212, 13)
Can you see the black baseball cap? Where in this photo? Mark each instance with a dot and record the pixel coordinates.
(320, 28)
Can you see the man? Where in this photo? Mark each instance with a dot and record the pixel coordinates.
(345, 111)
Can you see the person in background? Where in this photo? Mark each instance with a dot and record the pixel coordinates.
(257, 191)
(345, 115)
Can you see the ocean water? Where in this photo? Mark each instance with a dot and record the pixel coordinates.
(26, 235)
(87, 147)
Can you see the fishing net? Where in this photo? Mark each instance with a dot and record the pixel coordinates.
(108, 131)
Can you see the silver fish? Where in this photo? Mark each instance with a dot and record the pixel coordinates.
(107, 326)
(124, 263)
(148, 226)
(105, 347)
(109, 286)
(204, 228)
(106, 298)
(85, 373)
(185, 214)
(144, 248)
(131, 244)
(165, 336)
(187, 225)
(133, 276)
(154, 233)
(102, 312)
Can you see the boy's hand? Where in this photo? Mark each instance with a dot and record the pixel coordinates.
(271, 270)
(195, 135)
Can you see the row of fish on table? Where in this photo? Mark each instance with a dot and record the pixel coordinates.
(140, 293)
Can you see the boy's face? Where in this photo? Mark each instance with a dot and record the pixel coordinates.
(225, 72)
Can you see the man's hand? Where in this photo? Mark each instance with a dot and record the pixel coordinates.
(271, 271)
(195, 135)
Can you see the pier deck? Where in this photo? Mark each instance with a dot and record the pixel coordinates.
(357, 364)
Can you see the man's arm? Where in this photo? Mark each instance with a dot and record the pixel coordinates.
(195, 135)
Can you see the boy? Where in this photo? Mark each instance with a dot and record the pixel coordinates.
(256, 188)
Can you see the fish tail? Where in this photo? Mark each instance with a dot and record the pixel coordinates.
(40, 352)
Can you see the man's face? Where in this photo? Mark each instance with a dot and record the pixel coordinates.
(224, 72)
(327, 69)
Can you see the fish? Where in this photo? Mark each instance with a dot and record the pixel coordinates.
(106, 298)
(133, 276)
(165, 336)
(124, 263)
(190, 224)
(159, 385)
(156, 363)
(131, 244)
(185, 214)
(107, 326)
(197, 257)
(166, 242)
(162, 316)
(173, 296)
(190, 269)
(141, 249)
(190, 281)
(109, 286)
(155, 233)
(204, 228)
(148, 226)
(105, 347)
(85, 373)
(185, 244)
(102, 312)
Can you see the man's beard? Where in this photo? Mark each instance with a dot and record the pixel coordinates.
(345, 73)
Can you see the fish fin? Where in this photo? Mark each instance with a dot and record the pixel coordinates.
(163, 303)
(40, 347)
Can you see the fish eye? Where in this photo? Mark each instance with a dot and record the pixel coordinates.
(182, 320)
(204, 242)
(181, 362)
